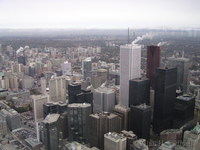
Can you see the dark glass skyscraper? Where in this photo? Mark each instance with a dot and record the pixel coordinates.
(165, 96)
(153, 62)
(139, 91)
(184, 109)
(140, 120)
(73, 90)
(49, 131)
(78, 122)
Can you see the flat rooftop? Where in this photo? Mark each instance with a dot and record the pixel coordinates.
(185, 97)
(51, 118)
(114, 136)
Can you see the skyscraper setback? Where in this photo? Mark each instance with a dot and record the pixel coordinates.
(130, 60)
(153, 62)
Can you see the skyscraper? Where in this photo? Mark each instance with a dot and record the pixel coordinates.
(54, 107)
(165, 95)
(182, 65)
(139, 91)
(78, 122)
(66, 68)
(140, 121)
(184, 109)
(104, 99)
(130, 60)
(192, 138)
(87, 67)
(38, 101)
(43, 83)
(114, 141)
(73, 90)
(124, 113)
(100, 124)
(49, 131)
(153, 62)
(57, 89)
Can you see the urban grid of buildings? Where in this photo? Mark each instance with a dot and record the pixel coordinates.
(48, 102)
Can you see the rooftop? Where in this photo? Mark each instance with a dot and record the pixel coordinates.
(104, 90)
(114, 136)
(88, 59)
(33, 142)
(51, 118)
(84, 105)
(185, 97)
(143, 106)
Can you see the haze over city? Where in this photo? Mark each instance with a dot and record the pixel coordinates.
(99, 14)
(99, 75)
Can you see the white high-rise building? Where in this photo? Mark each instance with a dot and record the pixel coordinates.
(57, 89)
(66, 68)
(38, 101)
(43, 83)
(130, 61)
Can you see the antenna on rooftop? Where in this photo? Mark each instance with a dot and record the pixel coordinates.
(128, 35)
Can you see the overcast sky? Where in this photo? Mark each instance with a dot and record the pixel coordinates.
(99, 13)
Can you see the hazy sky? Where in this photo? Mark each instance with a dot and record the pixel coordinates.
(99, 13)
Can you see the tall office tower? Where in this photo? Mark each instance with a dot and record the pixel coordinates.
(182, 65)
(12, 118)
(100, 124)
(86, 96)
(102, 74)
(38, 101)
(54, 108)
(57, 89)
(139, 144)
(22, 60)
(172, 135)
(43, 84)
(141, 121)
(66, 68)
(73, 90)
(79, 122)
(192, 138)
(114, 141)
(104, 99)
(86, 68)
(184, 109)
(64, 124)
(139, 91)
(123, 112)
(32, 69)
(130, 136)
(165, 96)
(49, 131)
(130, 60)
(27, 82)
(3, 126)
(153, 62)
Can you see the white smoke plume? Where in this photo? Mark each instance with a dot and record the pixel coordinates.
(20, 50)
(162, 43)
(146, 36)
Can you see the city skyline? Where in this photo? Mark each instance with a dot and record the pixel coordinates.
(99, 14)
